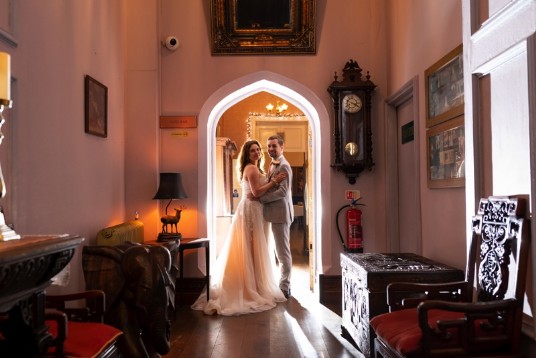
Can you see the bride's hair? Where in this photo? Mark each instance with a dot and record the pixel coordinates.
(243, 158)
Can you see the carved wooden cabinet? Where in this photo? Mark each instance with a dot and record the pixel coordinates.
(26, 269)
(365, 277)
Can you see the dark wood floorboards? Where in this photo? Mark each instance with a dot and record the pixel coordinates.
(300, 327)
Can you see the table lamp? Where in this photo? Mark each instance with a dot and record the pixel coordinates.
(170, 188)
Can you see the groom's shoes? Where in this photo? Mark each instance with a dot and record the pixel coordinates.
(286, 293)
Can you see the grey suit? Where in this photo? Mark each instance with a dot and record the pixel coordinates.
(279, 211)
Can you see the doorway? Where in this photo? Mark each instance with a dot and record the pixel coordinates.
(229, 95)
(260, 116)
(403, 170)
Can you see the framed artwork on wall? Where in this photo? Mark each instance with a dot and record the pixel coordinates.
(7, 22)
(444, 88)
(445, 145)
(96, 107)
(263, 27)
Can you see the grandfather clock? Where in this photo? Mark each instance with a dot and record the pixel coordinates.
(352, 134)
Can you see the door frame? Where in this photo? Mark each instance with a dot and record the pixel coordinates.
(409, 91)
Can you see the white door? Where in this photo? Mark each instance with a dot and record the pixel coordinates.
(499, 44)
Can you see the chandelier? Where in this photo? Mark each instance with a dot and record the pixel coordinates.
(278, 107)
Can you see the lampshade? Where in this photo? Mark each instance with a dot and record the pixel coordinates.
(5, 77)
(170, 187)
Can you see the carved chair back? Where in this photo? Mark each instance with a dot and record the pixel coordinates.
(500, 265)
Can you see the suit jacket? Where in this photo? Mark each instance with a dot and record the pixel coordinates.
(277, 202)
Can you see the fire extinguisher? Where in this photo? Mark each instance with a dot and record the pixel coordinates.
(354, 230)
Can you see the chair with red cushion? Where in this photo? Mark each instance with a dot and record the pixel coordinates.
(456, 319)
(79, 331)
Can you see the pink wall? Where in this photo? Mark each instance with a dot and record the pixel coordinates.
(64, 180)
(420, 33)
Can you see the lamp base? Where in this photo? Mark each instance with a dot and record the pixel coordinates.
(168, 237)
(7, 233)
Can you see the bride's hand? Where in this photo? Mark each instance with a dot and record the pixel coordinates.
(279, 177)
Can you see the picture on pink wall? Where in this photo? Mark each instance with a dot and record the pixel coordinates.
(446, 154)
(444, 88)
(96, 107)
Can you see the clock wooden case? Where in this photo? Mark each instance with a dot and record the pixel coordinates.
(352, 134)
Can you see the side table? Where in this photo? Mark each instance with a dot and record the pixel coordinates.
(188, 244)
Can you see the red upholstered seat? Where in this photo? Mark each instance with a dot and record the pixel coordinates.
(400, 329)
(84, 339)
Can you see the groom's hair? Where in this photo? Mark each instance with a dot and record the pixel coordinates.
(279, 138)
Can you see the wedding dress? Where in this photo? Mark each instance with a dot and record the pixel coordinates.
(244, 278)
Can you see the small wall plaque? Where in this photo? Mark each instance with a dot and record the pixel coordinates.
(407, 132)
(178, 121)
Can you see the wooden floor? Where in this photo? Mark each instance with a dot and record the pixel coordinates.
(300, 327)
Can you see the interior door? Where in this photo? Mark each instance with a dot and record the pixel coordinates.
(403, 168)
(408, 206)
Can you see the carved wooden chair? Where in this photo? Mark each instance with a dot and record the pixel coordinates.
(455, 319)
(79, 331)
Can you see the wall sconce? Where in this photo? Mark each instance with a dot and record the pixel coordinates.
(278, 107)
(6, 233)
(170, 188)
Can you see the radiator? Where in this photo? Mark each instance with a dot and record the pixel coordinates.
(114, 235)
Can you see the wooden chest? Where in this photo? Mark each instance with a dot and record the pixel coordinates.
(365, 277)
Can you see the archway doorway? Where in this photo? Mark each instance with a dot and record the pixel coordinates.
(233, 93)
(259, 116)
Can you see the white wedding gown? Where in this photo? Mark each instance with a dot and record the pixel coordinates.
(243, 279)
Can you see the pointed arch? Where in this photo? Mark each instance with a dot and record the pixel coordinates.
(291, 91)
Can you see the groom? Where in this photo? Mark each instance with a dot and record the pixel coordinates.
(278, 209)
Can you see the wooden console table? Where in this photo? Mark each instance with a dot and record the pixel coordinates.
(365, 277)
(27, 266)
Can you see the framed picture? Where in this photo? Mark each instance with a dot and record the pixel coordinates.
(96, 107)
(446, 154)
(7, 22)
(264, 27)
(444, 88)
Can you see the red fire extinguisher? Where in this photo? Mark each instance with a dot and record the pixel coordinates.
(354, 230)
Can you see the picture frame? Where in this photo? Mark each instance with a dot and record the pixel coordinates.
(444, 92)
(445, 151)
(7, 22)
(95, 107)
(275, 27)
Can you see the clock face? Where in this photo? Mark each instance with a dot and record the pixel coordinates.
(352, 103)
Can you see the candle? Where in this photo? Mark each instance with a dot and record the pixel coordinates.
(5, 76)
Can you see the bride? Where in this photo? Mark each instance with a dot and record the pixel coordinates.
(244, 280)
